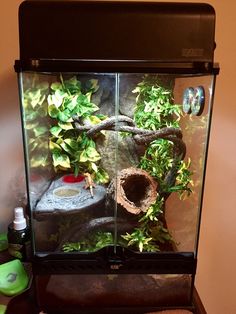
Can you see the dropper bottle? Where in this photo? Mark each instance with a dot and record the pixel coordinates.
(18, 235)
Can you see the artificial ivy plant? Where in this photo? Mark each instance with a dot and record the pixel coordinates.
(71, 150)
(155, 109)
(49, 111)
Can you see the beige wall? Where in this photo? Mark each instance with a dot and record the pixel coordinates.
(216, 273)
(11, 161)
(217, 252)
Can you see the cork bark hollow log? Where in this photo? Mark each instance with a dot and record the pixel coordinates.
(135, 189)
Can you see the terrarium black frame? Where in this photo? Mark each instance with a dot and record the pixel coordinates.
(154, 44)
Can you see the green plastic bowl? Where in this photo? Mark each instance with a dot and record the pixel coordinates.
(13, 278)
(2, 309)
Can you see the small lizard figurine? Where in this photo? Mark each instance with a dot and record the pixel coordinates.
(89, 183)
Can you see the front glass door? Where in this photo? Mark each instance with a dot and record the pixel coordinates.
(115, 159)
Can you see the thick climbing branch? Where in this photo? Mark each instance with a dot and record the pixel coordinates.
(140, 136)
(111, 123)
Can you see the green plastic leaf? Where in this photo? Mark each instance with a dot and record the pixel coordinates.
(54, 147)
(72, 85)
(71, 247)
(94, 167)
(55, 86)
(72, 143)
(65, 125)
(59, 141)
(61, 94)
(89, 95)
(102, 176)
(140, 246)
(83, 156)
(57, 101)
(71, 102)
(89, 154)
(85, 109)
(66, 148)
(61, 160)
(93, 119)
(53, 111)
(92, 154)
(50, 100)
(57, 98)
(77, 155)
(55, 130)
(64, 116)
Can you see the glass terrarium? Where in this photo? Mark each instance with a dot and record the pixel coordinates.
(115, 159)
(115, 153)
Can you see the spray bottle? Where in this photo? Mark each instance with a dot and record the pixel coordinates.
(18, 235)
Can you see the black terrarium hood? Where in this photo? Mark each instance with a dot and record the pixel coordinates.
(116, 102)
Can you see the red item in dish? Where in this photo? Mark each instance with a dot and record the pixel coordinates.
(70, 178)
